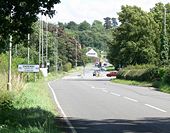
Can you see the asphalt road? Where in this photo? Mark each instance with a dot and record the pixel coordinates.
(99, 106)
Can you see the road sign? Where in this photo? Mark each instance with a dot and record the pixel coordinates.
(91, 53)
(28, 68)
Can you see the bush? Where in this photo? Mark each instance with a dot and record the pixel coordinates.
(6, 99)
(141, 73)
(166, 77)
(67, 67)
(6, 105)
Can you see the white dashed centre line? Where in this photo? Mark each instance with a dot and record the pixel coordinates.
(115, 94)
(130, 99)
(156, 108)
(92, 87)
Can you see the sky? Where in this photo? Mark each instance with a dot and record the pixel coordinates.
(90, 10)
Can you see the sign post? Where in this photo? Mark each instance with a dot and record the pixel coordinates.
(29, 69)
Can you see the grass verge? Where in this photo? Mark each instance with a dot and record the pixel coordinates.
(32, 110)
(158, 85)
(132, 82)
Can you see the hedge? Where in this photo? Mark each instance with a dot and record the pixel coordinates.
(145, 73)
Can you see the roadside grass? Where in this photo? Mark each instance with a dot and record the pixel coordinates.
(157, 85)
(31, 110)
(132, 82)
(165, 88)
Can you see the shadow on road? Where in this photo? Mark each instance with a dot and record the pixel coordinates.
(148, 125)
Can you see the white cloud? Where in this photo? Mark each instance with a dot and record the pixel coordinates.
(90, 10)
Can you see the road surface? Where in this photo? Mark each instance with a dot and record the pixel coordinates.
(93, 105)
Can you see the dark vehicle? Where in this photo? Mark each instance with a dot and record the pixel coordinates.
(96, 73)
(114, 73)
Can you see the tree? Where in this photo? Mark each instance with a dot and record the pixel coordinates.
(134, 40)
(72, 25)
(162, 17)
(97, 26)
(108, 23)
(84, 26)
(17, 16)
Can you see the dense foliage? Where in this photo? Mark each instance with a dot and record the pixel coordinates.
(17, 16)
(141, 38)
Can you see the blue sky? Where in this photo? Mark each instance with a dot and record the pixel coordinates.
(90, 10)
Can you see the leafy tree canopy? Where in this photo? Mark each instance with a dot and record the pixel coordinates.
(17, 16)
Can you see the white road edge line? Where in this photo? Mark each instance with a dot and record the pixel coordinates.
(59, 106)
(156, 108)
(105, 91)
(115, 94)
(130, 99)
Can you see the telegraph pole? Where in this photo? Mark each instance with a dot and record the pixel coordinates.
(164, 20)
(28, 58)
(42, 41)
(28, 55)
(56, 45)
(164, 57)
(46, 41)
(9, 85)
(76, 53)
(39, 53)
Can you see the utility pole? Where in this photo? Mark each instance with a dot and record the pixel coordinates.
(164, 20)
(76, 53)
(46, 41)
(164, 56)
(39, 53)
(56, 45)
(28, 58)
(28, 55)
(42, 41)
(9, 85)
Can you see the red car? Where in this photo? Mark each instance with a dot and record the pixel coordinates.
(114, 73)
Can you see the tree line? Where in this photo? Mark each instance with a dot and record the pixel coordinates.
(142, 37)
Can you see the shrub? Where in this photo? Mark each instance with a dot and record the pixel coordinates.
(6, 99)
(67, 67)
(6, 105)
(166, 77)
(141, 73)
